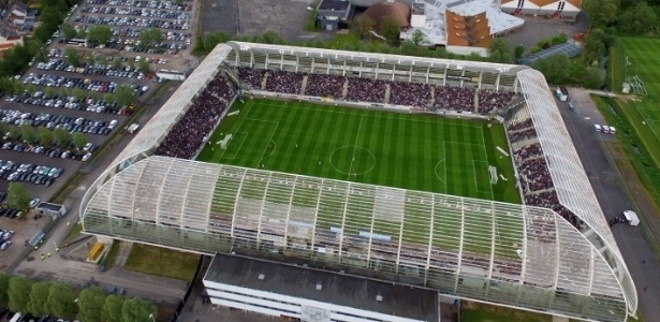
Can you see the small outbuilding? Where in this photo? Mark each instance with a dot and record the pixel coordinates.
(334, 14)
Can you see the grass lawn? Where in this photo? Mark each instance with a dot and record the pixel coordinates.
(73, 233)
(639, 121)
(162, 262)
(478, 312)
(109, 260)
(410, 151)
(417, 152)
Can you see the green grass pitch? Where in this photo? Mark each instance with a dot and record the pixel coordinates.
(410, 151)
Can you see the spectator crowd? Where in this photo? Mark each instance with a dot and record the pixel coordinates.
(188, 134)
(534, 175)
(425, 96)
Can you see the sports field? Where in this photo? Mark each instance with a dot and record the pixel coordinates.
(639, 120)
(417, 152)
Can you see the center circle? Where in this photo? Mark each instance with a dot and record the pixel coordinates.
(352, 160)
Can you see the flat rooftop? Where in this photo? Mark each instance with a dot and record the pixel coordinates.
(339, 289)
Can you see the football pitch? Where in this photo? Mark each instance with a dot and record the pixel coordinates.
(410, 151)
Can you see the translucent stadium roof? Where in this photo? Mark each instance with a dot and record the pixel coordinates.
(112, 199)
(503, 253)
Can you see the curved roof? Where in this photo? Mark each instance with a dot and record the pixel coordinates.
(398, 11)
(467, 247)
(569, 178)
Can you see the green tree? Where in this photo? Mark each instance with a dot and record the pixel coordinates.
(60, 301)
(19, 198)
(71, 56)
(554, 68)
(14, 132)
(601, 12)
(79, 140)
(125, 95)
(36, 48)
(390, 29)
(19, 291)
(61, 137)
(90, 59)
(82, 34)
(45, 136)
(31, 89)
(112, 308)
(4, 287)
(638, 20)
(103, 61)
(90, 304)
(78, 93)
(591, 78)
(144, 65)
(38, 295)
(363, 25)
(594, 45)
(68, 31)
(28, 133)
(151, 36)
(116, 63)
(519, 51)
(50, 92)
(99, 34)
(417, 37)
(138, 310)
(500, 51)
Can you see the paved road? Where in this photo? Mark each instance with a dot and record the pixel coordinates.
(639, 257)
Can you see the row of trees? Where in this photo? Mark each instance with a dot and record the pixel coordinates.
(61, 300)
(77, 58)
(103, 34)
(44, 136)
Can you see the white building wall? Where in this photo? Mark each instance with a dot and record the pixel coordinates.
(276, 304)
(467, 50)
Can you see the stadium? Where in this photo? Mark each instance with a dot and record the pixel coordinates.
(288, 160)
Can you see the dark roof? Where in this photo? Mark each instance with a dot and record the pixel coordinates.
(339, 289)
(334, 5)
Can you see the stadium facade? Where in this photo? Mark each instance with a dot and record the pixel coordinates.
(525, 257)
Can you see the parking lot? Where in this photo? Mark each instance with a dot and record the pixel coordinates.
(86, 98)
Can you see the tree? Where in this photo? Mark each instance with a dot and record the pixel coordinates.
(99, 34)
(14, 132)
(78, 94)
(519, 51)
(102, 61)
(31, 89)
(125, 95)
(90, 304)
(61, 137)
(500, 51)
(82, 34)
(144, 65)
(4, 287)
(18, 197)
(45, 136)
(112, 308)
(390, 29)
(554, 68)
(68, 31)
(36, 48)
(90, 59)
(79, 140)
(594, 45)
(116, 63)
(138, 310)
(28, 133)
(601, 12)
(591, 78)
(38, 295)
(71, 56)
(60, 301)
(417, 37)
(50, 92)
(151, 36)
(363, 24)
(638, 20)
(19, 292)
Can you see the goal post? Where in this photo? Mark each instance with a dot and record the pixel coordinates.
(492, 173)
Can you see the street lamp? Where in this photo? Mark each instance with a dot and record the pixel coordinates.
(151, 316)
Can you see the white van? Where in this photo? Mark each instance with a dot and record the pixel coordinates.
(606, 129)
(631, 217)
(16, 317)
(612, 130)
(597, 128)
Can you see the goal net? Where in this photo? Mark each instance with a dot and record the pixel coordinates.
(492, 172)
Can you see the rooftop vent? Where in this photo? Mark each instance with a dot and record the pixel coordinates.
(319, 286)
(379, 298)
(262, 276)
